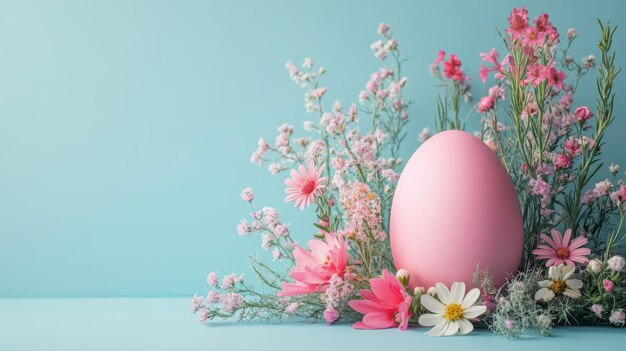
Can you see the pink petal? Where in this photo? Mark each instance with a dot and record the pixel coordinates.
(361, 325)
(379, 320)
(548, 240)
(558, 239)
(566, 238)
(577, 242)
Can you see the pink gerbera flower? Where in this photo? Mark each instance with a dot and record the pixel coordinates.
(387, 305)
(315, 267)
(561, 251)
(305, 185)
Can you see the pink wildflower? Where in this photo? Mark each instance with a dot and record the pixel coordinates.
(608, 285)
(304, 185)
(211, 279)
(441, 55)
(331, 315)
(247, 195)
(597, 310)
(560, 251)
(423, 135)
(196, 303)
(486, 103)
(315, 268)
(555, 77)
(534, 75)
(518, 22)
(490, 57)
(452, 69)
(383, 29)
(386, 305)
(571, 146)
(583, 114)
(563, 161)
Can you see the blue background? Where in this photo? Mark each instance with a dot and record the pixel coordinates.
(126, 127)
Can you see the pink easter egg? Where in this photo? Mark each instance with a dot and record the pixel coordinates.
(455, 206)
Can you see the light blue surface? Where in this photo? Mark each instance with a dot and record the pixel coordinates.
(126, 129)
(167, 324)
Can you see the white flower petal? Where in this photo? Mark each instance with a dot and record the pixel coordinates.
(545, 283)
(554, 273)
(574, 294)
(443, 293)
(474, 311)
(432, 304)
(470, 298)
(544, 294)
(457, 291)
(574, 283)
(430, 319)
(465, 326)
(439, 329)
(453, 327)
(567, 272)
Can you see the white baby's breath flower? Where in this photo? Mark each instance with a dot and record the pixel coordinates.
(451, 313)
(614, 168)
(560, 282)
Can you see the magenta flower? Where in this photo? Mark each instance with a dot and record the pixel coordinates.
(561, 251)
(387, 305)
(452, 69)
(304, 185)
(314, 268)
(563, 161)
(608, 285)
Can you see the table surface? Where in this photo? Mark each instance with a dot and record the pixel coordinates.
(167, 324)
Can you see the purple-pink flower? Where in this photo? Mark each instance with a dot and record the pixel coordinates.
(583, 114)
(561, 251)
(608, 285)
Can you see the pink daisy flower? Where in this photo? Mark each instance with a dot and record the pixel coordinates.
(305, 185)
(561, 251)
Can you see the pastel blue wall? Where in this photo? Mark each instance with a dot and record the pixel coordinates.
(126, 126)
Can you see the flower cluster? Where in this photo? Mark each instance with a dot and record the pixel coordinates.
(347, 173)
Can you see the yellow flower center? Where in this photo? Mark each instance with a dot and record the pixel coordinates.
(558, 286)
(453, 312)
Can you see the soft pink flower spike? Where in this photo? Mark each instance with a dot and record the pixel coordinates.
(315, 267)
(387, 305)
(305, 185)
(561, 251)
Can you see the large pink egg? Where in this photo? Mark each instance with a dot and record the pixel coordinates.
(455, 207)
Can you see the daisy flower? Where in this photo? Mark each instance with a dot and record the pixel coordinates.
(560, 282)
(305, 185)
(561, 251)
(451, 313)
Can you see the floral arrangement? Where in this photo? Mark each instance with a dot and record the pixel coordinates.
(571, 269)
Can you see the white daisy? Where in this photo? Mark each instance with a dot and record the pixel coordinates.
(559, 283)
(452, 311)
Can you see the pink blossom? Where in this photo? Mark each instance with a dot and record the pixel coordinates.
(490, 302)
(423, 135)
(490, 57)
(518, 22)
(535, 74)
(212, 297)
(386, 305)
(560, 251)
(540, 188)
(441, 55)
(315, 267)
(545, 28)
(597, 310)
(618, 317)
(583, 114)
(231, 301)
(555, 77)
(603, 187)
(571, 146)
(247, 195)
(588, 197)
(243, 227)
(305, 185)
(212, 278)
(509, 324)
(204, 316)
(486, 103)
(318, 93)
(497, 92)
(452, 69)
(383, 29)
(563, 161)
(196, 303)
(229, 281)
(331, 315)
(608, 285)
(362, 212)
